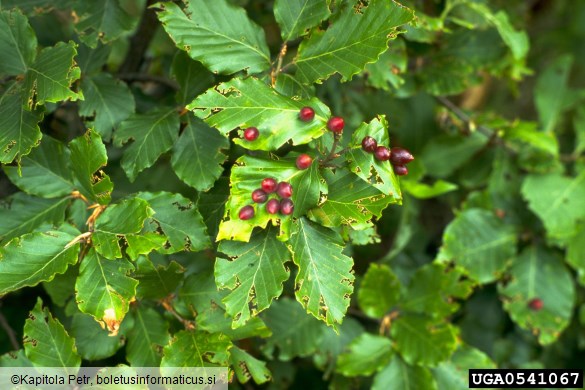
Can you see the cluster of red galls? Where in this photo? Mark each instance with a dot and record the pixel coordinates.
(268, 186)
(306, 114)
(398, 157)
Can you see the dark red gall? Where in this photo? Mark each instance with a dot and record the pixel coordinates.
(286, 206)
(400, 170)
(400, 156)
(336, 124)
(369, 144)
(246, 212)
(259, 195)
(284, 190)
(306, 114)
(304, 161)
(536, 304)
(251, 133)
(382, 153)
(269, 185)
(273, 206)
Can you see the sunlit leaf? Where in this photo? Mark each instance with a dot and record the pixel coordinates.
(357, 36)
(46, 342)
(104, 289)
(34, 258)
(254, 274)
(217, 34)
(295, 17)
(250, 102)
(325, 279)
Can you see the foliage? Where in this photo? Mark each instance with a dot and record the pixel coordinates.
(125, 171)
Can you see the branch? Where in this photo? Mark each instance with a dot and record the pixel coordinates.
(486, 131)
(331, 155)
(9, 331)
(140, 40)
(167, 305)
(275, 71)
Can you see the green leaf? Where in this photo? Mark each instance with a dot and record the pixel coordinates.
(146, 338)
(248, 367)
(334, 344)
(365, 355)
(285, 84)
(517, 41)
(90, 60)
(425, 191)
(324, 281)
(192, 76)
(254, 274)
(447, 153)
(576, 253)
(200, 295)
(250, 102)
(454, 66)
(120, 219)
(558, 201)
(104, 20)
(20, 129)
(479, 242)
(88, 155)
(379, 291)
(216, 320)
(197, 155)
(421, 341)
(293, 331)
(220, 35)
(454, 374)
(356, 37)
(199, 292)
(434, 287)
(247, 175)
(50, 78)
(157, 282)
(153, 134)
(62, 287)
(104, 289)
(92, 341)
(385, 72)
(35, 257)
(401, 375)
(108, 100)
(536, 150)
(15, 359)
(45, 171)
(143, 244)
(310, 187)
(196, 349)
(212, 205)
(46, 342)
(20, 214)
(18, 43)
(179, 220)
(551, 94)
(539, 273)
(579, 128)
(379, 174)
(351, 201)
(295, 17)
